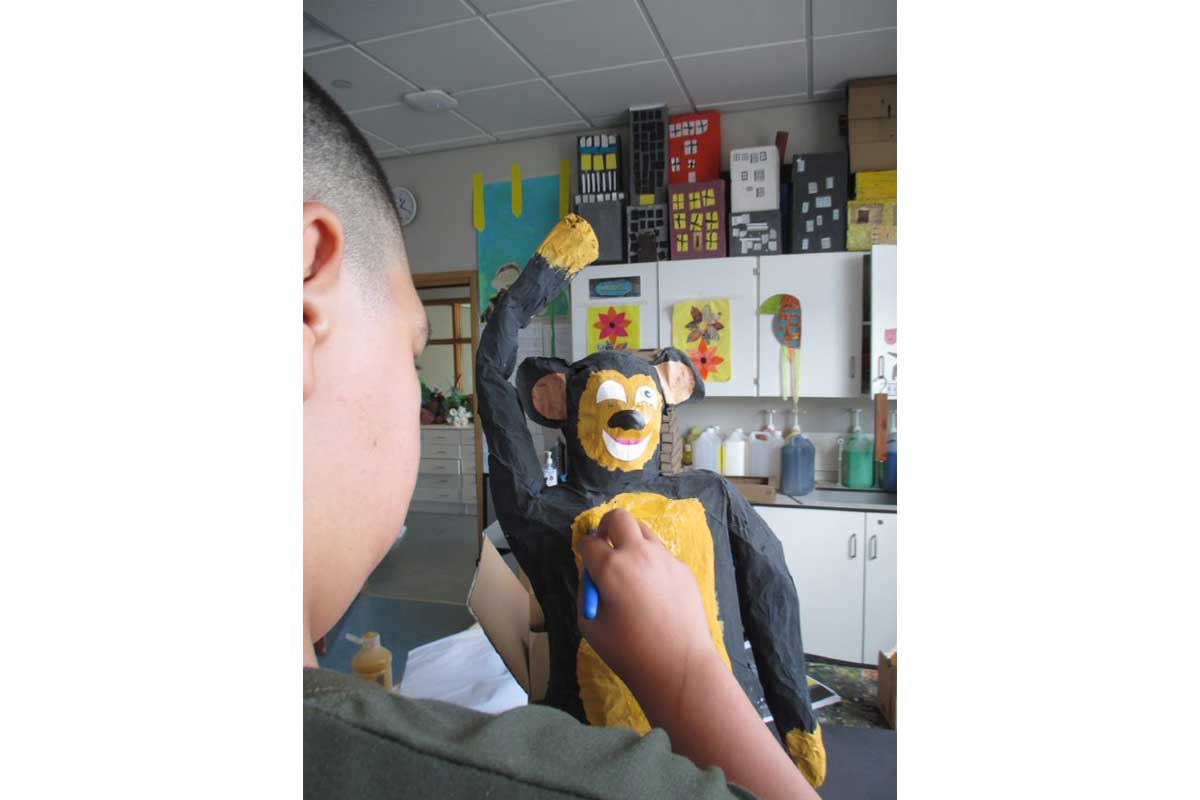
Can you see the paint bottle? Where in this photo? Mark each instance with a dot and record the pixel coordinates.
(733, 454)
(373, 661)
(889, 466)
(858, 456)
(705, 453)
(765, 445)
(689, 444)
(798, 461)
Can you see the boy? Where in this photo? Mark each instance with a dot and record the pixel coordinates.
(363, 327)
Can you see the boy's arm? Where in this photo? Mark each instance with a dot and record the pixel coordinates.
(515, 472)
(771, 618)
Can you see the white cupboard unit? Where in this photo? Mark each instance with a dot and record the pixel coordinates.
(829, 287)
(824, 551)
(882, 371)
(615, 285)
(717, 278)
(879, 608)
(446, 479)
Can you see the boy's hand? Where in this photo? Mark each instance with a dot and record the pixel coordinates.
(650, 627)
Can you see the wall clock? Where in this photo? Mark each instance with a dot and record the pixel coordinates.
(406, 204)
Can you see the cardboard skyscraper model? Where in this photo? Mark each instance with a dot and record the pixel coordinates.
(646, 233)
(647, 155)
(754, 179)
(601, 197)
(698, 220)
(819, 194)
(609, 406)
(755, 233)
(694, 148)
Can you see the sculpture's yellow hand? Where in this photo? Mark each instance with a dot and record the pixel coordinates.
(571, 246)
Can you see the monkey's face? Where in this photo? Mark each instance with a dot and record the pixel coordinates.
(620, 417)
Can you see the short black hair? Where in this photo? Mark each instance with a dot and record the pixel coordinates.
(341, 172)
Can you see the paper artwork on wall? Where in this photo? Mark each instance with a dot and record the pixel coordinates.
(614, 328)
(755, 233)
(646, 233)
(754, 178)
(624, 286)
(698, 220)
(507, 239)
(694, 148)
(819, 194)
(786, 328)
(702, 329)
(648, 155)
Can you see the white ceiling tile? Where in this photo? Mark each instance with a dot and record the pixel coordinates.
(582, 35)
(521, 105)
(548, 130)
(755, 103)
(466, 55)
(860, 55)
(607, 121)
(847, 16)
(689, 27)
(452, 144)
(609, 92)
(377, 145)
(370, 84)
(315, 36)
(740, 74)
(492, 6)
(369, 19)
(408, 127)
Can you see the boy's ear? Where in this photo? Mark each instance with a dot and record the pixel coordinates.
(678, 377)
(542, 384)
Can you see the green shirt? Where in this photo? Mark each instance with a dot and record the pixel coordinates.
(363, 742)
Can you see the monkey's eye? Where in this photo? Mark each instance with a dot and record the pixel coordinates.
(647, 395)
(611, 390)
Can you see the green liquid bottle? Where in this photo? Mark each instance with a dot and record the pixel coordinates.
(858, 456)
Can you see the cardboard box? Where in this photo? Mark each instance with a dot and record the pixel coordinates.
(875, 185)
(872, 114)
(887, 686)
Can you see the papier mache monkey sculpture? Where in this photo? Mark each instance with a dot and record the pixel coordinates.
(609, 406)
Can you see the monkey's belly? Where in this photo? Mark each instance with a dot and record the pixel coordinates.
(683, 528)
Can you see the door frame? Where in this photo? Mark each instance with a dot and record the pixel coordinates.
(470, 279)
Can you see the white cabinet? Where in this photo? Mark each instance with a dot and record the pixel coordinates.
(717, 278)
(829, 287)
(824, 552)
(879, 607)
(615, 285)
(844, 567)
(883, 319)
(446, 480)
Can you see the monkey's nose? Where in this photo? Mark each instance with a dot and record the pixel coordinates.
(627, 420)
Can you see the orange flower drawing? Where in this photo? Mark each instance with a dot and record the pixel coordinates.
(706, 359)
(612, 326)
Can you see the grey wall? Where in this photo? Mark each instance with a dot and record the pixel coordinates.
(442, 238)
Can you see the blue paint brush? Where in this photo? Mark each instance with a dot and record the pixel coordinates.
(591, 596)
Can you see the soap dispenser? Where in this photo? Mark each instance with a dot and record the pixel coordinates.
(858, 455)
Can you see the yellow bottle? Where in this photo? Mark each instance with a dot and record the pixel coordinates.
(373, 661)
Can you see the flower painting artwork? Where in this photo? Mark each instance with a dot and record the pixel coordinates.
(701, 328)
(614, 328)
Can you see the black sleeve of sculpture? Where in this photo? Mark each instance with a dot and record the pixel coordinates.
(514, 470)
(770, 616)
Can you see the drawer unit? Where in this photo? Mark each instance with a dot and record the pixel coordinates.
(440, 451)
(439, 466)
(468, 489)
(450, 495)
(431, 437)
(438, 481)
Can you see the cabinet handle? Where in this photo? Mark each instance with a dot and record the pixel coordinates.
(852, 367)
(854, 545)
(873, 548)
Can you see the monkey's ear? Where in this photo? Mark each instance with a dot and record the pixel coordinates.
(542, 384)
(678, 377)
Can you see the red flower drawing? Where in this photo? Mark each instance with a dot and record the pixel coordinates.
(706, 359)
(612, 325)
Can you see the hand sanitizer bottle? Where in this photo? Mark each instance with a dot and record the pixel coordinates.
(549, 470)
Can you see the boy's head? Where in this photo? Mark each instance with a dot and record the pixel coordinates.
(363, 328)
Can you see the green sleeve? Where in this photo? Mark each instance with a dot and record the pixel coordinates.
(363, 742)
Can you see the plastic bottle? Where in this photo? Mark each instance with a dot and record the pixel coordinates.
(373, 661)
(689, 444)
(549, 470)
(794, 428)
(858, 456)
(764, 450)
(733, 454)
(889, 466)
(798, 459)
(705, 453)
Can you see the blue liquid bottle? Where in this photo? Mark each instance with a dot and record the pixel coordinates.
(798, 460)
(889, 466)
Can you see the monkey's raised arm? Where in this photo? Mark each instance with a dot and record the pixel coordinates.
(771, 619)
(513, 466)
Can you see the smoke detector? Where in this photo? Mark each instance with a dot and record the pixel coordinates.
(431, 100)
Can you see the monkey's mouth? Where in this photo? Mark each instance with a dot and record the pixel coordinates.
(624, 449)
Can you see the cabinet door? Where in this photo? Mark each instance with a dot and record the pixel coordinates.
(716, 278)
(615, 285)
(824, 552)
(883, 319)
(829, 288)
(879, 613)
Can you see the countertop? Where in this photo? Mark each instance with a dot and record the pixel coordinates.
(837, 498)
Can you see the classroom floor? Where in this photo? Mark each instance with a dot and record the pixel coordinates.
(858, 687)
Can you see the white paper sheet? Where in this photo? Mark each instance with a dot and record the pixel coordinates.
(463, 669)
